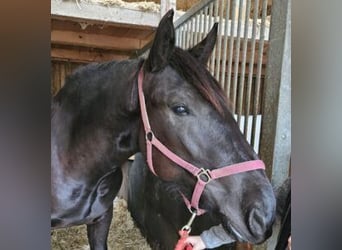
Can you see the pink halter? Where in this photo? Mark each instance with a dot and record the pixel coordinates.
(204, 176)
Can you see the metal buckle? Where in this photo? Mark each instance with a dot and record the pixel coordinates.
(204, 175)
(187, 227)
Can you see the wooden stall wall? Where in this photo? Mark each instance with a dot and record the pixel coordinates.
(59, 70)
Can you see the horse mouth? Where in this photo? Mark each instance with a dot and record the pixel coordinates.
(230, 230)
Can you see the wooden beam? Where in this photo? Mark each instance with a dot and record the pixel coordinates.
(85, 55)
(69, 10)
(141, 33)
(95, 40)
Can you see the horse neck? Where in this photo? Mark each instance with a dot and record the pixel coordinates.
(105, 140)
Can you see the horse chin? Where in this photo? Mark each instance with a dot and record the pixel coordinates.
(232, 232)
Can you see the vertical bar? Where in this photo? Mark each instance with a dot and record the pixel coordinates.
(219, 44)
(200, 31)
(196, 30)
(190, 31)
(210, 24)
(206, 21)
(177, 36)
(231, 45)
(237, 56)
(181, 36)
(275, 141)
(187, 40)
(211, 7)
(213, 54)
(259, 68)
(250, 68)
(277, 106)
(243, 63)
(224, 59)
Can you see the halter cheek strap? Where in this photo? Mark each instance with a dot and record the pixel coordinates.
(204, 176)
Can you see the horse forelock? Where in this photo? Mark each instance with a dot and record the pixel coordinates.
(196, 74)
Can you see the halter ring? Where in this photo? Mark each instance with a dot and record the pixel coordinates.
(204, 175)
(149, 135)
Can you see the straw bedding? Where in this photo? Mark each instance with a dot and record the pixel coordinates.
(123, 234)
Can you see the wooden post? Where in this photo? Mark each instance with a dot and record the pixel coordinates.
(166, 5)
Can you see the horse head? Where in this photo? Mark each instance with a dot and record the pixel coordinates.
(187, 113)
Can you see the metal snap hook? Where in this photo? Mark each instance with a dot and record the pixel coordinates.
(187, 227)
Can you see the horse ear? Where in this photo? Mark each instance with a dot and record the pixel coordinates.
(163, 45)
(203, 50)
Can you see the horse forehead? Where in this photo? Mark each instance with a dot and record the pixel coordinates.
(170, 83)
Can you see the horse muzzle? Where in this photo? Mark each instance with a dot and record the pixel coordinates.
(255, 225)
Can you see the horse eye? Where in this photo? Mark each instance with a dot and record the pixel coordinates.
(180, 110)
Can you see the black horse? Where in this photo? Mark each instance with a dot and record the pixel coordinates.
(96, 125)
(203, 132)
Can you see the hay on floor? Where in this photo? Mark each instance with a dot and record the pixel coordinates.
(143, 6)
(123, 234)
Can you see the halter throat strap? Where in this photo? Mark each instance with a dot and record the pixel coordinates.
(204, 176)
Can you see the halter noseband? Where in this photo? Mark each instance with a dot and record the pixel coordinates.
(204, 176)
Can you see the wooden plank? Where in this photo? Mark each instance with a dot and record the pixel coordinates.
(55, 85)
(85, 55)
(69, 10)
(95, 41)
(103, 29)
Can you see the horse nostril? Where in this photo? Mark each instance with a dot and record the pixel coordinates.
(259, 224)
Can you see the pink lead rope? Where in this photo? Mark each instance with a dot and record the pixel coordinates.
(204, 176)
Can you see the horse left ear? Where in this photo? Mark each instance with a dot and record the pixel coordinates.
(163, 45)
(203, 50)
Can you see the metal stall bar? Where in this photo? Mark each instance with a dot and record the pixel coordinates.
(196, 29)
(250, 72)
(225, 41)
(186, 33)
(183, 27)
(243, 64)
(237, 56)
(200, 26)
(230, 52)
(258, 76)
(206, 26)
(213, 55)
(219, 44)
(191, 12)
(178, 36)
(210, 24)
(190, 32)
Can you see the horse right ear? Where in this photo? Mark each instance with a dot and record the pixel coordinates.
(203, 50)
(163, 44)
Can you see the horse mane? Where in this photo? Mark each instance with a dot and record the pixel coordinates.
(197, 74)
